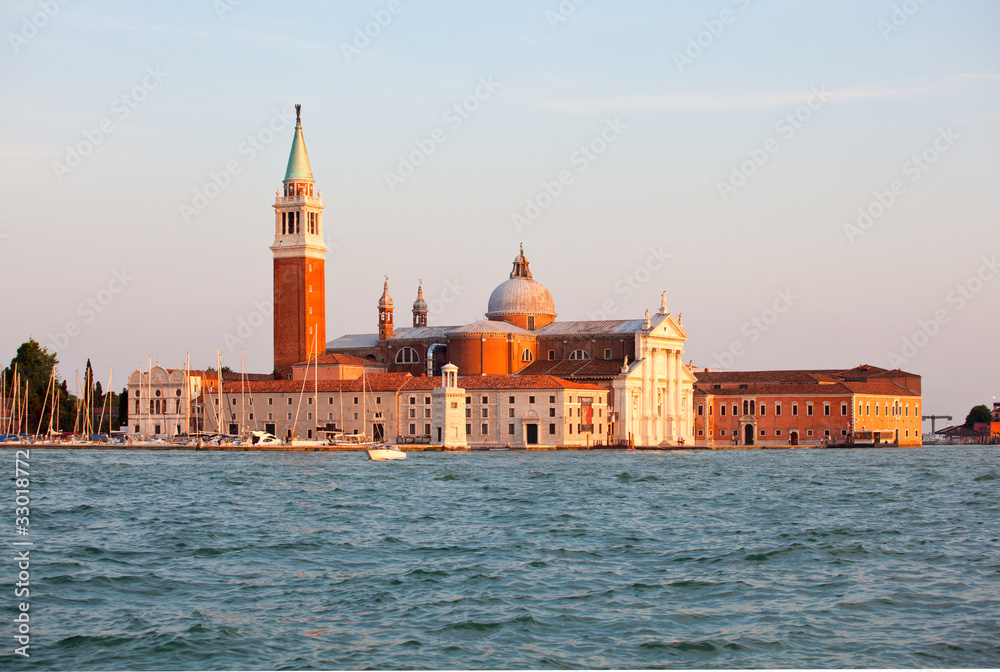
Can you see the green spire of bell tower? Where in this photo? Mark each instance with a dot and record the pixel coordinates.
(298, 159)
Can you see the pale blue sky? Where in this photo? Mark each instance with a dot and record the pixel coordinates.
(888, 96)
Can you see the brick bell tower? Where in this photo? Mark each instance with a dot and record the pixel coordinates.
(299, 252)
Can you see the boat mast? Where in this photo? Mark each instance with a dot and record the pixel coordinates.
(218, 368)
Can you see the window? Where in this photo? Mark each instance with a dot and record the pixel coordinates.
(736, 409)
(486, 399)
(531, 322)
(579, 354)
(552, 428)
(552, 354)
(868, 409)
(722, 409)
(777, 432)
(526, 356)
(744, 386)
(486, 428)
(413, 412)
(552, 412)
(270, 416)
(290, 416)
(510, 400)
(701, 409)
(876, 410)
(826, 408)
(427, 400)
(809, 432)
(468, 413)
(413, 428)
(427, 412)
(762, 409)
(468, 401)
(510, 429)
(607, 353)
(407, 356)
(701, 432)
(552, 399)
(289, 401)
(722, 432)
(843, 408)
(427, 430)
(378, 400)
(907, 410)
(454, 405)
(826, 432)
(355, 401)
(809, 408)
(413, 400)
(485, 412)
(531, 399)
(355, 416)
(309, 401)
(270, 401)
(468, 429)
(795, 409)
(843, 432)
(309, 416)
(510, 412)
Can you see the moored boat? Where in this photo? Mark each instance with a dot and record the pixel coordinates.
(386, 452)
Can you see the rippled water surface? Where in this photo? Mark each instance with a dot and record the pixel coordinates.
(803, 558)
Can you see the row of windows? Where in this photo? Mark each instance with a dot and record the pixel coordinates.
(291, 222)
(750, 407)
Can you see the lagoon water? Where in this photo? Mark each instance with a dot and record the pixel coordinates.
(792, 558)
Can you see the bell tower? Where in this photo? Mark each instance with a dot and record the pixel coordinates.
(299, 253)
(385, 328)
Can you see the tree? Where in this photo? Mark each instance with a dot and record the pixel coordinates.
(35, 366)
(979, 413)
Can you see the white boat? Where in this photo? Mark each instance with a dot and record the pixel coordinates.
(386, 453)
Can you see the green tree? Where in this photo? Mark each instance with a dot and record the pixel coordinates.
(35, 365)
(979, 413)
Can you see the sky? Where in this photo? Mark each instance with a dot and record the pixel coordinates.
(811, 184)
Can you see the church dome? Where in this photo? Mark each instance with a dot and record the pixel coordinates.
(520, 295)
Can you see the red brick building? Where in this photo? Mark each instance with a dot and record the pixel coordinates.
(820, 407)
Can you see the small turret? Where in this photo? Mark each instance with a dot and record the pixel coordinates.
(420, 308)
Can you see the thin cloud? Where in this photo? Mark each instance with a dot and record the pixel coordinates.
(711, 102)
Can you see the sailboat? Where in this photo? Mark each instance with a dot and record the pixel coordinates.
(378, 451)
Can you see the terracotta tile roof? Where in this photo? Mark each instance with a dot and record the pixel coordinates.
(353, 341)
(575, 368)
(844, 388)
(522, 382)
(490, 327)
(375, 382)
(335, 359)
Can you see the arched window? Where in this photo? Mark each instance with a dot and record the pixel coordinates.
(579, 354)
(526, 356)
(407, 356)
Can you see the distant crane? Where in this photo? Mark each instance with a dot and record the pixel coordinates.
(932, 418)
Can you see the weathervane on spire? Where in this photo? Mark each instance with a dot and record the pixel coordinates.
(298, 114)
(522, 249)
